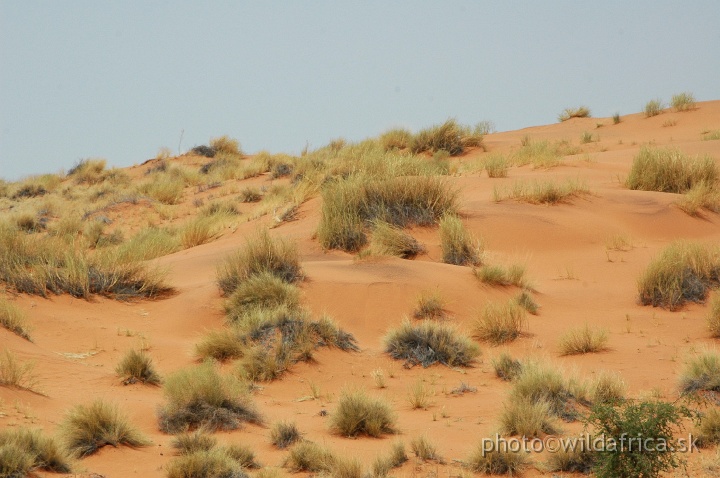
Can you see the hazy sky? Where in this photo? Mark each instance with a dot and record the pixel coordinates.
(121, 79)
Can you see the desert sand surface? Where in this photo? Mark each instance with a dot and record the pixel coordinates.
(576, 280)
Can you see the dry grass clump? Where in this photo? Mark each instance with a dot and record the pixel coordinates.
(349, 205)
(449, 136)
(191, 442)
(383, 464)
(221, 345)
(420, 395)
(393, 241)
(500, 323)
(713, 318)
(684, 271)
(261, 291)
(669, 170)
(200, 230)
(458, 245)
(394, 139)
(284, 434)
(526, 301)
(148, 244)
(359, 414)
(502, 276)
(23, 451)
(89, 171)
(708, 431)
(607, 387)
(701, 196)
(709, 135)
(87, 428)
(310, 457)
(15, 374)
(498, 461)
(701, 373)
(583, 340)
(542, 192)
(250, 194)
(14, 319)
(137, 367)
(226, 144)
(540, 383)
(578, 459)
(527, 418)
(425, 450)
(429, 342)
(579, 112)
(261, 253)
(201, 397)
(430, 305)
(683, 101)
(496, 166)
(506, 368)
(653, 108)
(165, 189)
(213, 463)
(542, 154)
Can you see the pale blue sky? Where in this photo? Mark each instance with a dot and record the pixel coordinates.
(121, 79)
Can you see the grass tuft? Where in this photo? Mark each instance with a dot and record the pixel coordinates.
(653, 108)
(683, 102)
(607, 387)
(310, 457)
(359, 414)
(384, 464)
(15, 374)
(579, 112)
(542, 192)
(500, 461)
(449, 136)
(429, 342)
(459, 246)
(506, 368)
(284, 434)
(501, 276)
(393, 241)
(572, 460)
(14, 319)
(213, 463)
(540, 383)
(496, 166)
(420, 395)
(713, 318)
(669, 170)
(526, 418)
(22, 451)
(425, 450)
(137, 367)
(708, 431)
(526, 301)
(430, 306)
(501, 323)
(583, 340)
(193, 442)
(701, 373)
(87, 428)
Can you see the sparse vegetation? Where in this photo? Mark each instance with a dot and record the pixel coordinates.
(261, 291)
(578, 459)
(711, 135)
(683, 102)
(221, 345)
(587, 137)
(496, 166)
(542, 192)
(583, 340)
(495, 275)
(458, 245)
(653, 108)
(431, 305)
(393, 241)
(137, 367)
(684, 271)
(425, 450)
(702, 196)
(713, 318)
(359, 414)
(420, 395)
(607, 387)
(213, 463)
(200, 396)
(429, 342)
(701, 373)
(542, 154)
(383, 464)
(310, 457)
(15, 374)
(579, 112)
(500, 323)
(527, 418)
(14, 319)
(616, 118)
(395, 139)
(284, 434)
(249, 194)
(87, 428)
(449, 136)
(669, 170)
(526, 301)
(708, 431)
(540, 383)
(506, 367)
(192, 442)
(22, 451)
(500, 461)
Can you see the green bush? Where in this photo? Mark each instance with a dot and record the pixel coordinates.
(359, 414)
(429, 342)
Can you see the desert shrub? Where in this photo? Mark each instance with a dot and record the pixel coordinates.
(392, 240)
(458, 245)
(607, 387)
(226, 144)
(654, 420)
(683, 271)
(669, 170)
(261, 253)
(263, 290)
(541, 383)
(395, 139)
(201, 397)
(701, 372)
(14, 319)
(583, 340)
(449, 136)
(430, 306)
(249, 194)
(90, 171)
(506, 367)
(23, 451)
(359, 414)
(541, 153)
(420, 395)
(579, 112)
(542, 192)
(166, 189)
(395, 458)
(587, 137)
(713, 318)
(526, 418)
(502, 276)
(192, 442)
(424, 449)
(243, 455)
(311, 457)
(683, 101)
(29, 223)
(281, 169)
(616, 118)
(221, 345)
(87, 428)
(653, 108)
(708, 430)
(16, 374)
(701, 196)
(348, 205)
(500, 323)
(284, 434)
(213, 463)
(578, 459)
(497, 461)
(137, 367)
(429, 342)
(526, 301)
(204, 150)
(496, 166)
(347, 468)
